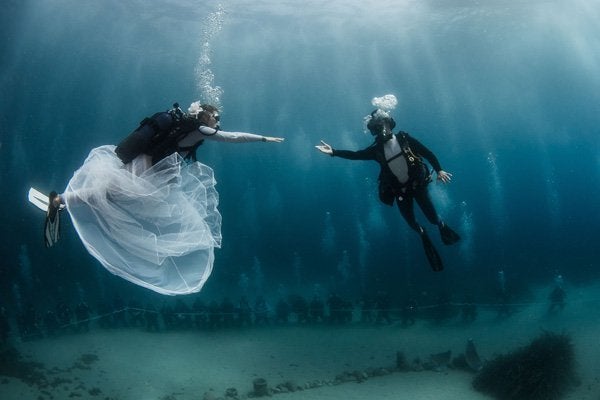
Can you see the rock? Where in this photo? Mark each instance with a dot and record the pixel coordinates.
(440, 361)
(210, 395)
(472, 357)
(401, 364)
(260, 387)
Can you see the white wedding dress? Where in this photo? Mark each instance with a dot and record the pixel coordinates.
(154, 225)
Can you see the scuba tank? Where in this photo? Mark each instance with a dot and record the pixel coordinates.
(151, 131)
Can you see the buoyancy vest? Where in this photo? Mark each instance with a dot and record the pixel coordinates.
(402, 170)
(396, 159)
(158, 136)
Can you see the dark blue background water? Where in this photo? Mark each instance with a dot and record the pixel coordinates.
(506, 93)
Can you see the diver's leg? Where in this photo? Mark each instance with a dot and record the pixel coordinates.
(77, 198)
(405, 205)
(426, 205)
(52, 222)
(448, 235)
(407, 210)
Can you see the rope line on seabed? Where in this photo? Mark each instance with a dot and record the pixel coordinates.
(372, 310)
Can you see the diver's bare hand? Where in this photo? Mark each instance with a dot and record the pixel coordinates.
(324, 148)
(444, 176)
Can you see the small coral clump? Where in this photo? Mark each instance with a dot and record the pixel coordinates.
(542, 370)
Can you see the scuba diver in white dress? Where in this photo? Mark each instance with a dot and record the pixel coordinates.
(147, 209)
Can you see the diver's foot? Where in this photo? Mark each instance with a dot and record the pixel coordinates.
(53, 205)
(448, 235)
(52, 224)
(58, 202)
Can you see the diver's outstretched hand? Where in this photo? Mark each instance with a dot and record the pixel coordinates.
(324, 148)
(444, 176)
(273, 139)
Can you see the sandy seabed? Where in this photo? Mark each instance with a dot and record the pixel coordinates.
(130, 364)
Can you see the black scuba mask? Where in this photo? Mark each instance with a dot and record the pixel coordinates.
(376, 125)
(377, 128)
(217, 118)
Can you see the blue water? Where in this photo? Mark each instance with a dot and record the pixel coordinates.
(505, 93)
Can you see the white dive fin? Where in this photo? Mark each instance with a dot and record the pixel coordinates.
(38, 199)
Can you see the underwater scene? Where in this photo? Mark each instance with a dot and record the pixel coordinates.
(351, 200)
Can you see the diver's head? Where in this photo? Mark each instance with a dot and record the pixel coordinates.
(206, 113)
(210, 115)
(380, 124)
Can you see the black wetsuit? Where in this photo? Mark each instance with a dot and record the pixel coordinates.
(390, 186)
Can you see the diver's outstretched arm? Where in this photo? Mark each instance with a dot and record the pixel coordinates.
(273, 139)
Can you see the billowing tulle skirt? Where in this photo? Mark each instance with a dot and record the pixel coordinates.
(154, 225)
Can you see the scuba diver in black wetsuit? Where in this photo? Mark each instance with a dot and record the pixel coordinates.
(403, 177)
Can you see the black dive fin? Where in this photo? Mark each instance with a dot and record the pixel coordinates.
(448, 235)
(432, 255)
(52, 223)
